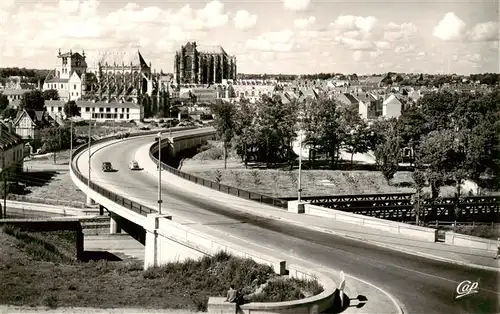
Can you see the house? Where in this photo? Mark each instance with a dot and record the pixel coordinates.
(11, 148)
(391, 107)
(348, 99)
(14, 96)
(370, 107)
(29, 123)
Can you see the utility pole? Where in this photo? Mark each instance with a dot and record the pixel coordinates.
(71, 139)
(159, 173)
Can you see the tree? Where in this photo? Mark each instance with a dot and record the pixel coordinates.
(419, 184)
(245, 129)
(443, 153)
(50, 94)
(4, 102)
(357, 139)
(71, 109)
(9, 113)
(224, 124)
(33, 100)
(388, 149)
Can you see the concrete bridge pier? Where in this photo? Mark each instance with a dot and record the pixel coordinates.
(115, 224)
(90, 201)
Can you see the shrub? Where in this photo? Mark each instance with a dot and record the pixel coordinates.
(256, 177)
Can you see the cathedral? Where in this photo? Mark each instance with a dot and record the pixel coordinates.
(111, 76)
(203, 65)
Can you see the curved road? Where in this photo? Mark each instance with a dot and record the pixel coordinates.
(421, 285)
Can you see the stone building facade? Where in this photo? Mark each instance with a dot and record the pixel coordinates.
(195, 64)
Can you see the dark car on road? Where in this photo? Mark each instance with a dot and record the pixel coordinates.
(107, 167)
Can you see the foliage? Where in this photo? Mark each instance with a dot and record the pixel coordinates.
(71, 109)
(388, 148)
(9, 113)
(4, 101)
(33, 100)
(50, 94)
(224, 124)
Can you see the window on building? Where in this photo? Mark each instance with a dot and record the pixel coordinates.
(71, 93)
(128, 117)
(87, 109)
(116, 109)
(128, 110)
(76, 93)
(62, 85)
(51, 108)
(101, 109)
(93, 109)
(59, 109)
(121, 115)
(123, 109)
(74, 86)
(108, 109)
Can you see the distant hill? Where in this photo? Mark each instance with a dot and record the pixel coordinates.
(27, 75)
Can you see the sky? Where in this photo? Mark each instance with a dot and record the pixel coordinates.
(266, 36)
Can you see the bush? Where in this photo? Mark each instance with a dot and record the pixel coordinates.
(483, 231)
(214, 153)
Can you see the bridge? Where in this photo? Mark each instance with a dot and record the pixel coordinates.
(198, 220)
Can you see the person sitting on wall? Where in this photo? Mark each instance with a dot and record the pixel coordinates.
(234, 296)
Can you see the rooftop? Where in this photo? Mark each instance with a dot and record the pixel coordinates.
(88, 103)
(8, 139)
(112, 58)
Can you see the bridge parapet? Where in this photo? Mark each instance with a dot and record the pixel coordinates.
(169, 241)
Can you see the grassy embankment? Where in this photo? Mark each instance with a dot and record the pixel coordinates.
(209, 164)
(39, 269)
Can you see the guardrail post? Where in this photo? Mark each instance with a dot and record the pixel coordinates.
(341, 289)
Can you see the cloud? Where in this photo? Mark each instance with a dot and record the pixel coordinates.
(351, 22)
(450, 28)
(396, 32)
(357, 55)
(354, 44)
(304, 23)
(296, 5)
(244, 20)
(280, 41)
(489, 31)
(83, 24)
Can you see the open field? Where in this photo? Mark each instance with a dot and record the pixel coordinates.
(47, 182)
(32, 277)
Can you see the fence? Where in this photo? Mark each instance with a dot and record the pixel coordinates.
(261, 198)
(120, 200)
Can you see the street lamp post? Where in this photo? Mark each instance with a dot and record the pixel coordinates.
(159, 173)
(89, 199)
(299, 189)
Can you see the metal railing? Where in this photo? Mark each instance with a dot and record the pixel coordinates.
(118, 199)
(261, 198)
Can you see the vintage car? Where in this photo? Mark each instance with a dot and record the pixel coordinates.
(134, 165)
(107, 167)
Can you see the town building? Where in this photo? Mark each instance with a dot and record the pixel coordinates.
(108, 76)
(14, 96)
(392, 107)
(68, 78)
(115, 76)
(28, 124)
(11, 148)
(203, 64)
(100, 111)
